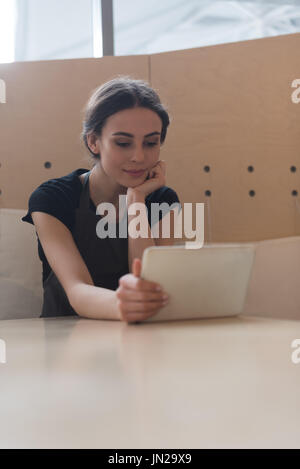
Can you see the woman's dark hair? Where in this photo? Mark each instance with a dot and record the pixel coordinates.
(116, 95)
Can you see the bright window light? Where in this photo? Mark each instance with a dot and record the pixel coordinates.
(7, 30)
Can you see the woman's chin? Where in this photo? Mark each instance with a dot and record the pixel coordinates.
(135, 183)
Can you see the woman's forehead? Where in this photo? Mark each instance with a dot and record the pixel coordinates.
(136, 121)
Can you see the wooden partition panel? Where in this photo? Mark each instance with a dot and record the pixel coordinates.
(232, 109)
(42, 119)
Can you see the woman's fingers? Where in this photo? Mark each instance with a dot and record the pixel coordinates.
(136, 307)
(137, 298)
(133, 311)
(136, 283)
(136, 267)
(126, 294)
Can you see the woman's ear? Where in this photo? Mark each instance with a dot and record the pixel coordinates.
(93, 143)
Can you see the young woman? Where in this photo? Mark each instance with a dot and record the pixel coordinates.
(124, 126)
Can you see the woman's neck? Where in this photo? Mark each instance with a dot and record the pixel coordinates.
(102, 189)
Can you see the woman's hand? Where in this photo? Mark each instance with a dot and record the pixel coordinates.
(156, 178)
(138, 299)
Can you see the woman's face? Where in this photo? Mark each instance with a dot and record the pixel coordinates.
(137, 151)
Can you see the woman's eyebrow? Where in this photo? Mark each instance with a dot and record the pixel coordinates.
(130, 135)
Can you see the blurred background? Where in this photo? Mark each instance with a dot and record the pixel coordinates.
(65, 29)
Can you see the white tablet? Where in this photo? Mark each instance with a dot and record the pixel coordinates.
(209, 282)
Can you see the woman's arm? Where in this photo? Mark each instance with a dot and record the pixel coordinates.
(156, 178)
(136, 246)
(65, 260)
(94, 302)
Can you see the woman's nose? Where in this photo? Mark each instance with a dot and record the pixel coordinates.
(138, 155)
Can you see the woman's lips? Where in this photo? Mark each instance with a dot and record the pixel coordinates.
(135, 173)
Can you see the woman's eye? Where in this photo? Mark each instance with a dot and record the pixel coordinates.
(123, 144)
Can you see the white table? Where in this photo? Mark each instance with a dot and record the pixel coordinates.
(80, 383)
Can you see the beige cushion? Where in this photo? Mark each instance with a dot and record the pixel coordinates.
(274, 289)
(21, 289)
